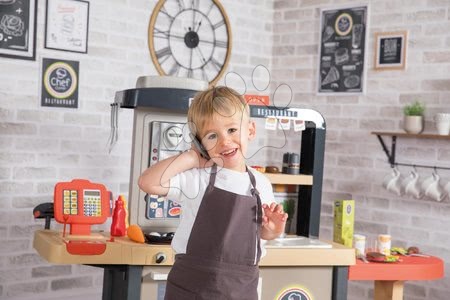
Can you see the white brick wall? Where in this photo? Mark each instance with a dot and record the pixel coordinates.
(40, 146)
(355, 163)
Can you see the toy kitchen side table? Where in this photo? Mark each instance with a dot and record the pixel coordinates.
(390, 277)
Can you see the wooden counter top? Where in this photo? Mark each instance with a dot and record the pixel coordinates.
(122, 251)
(51, 246)
(338, 255)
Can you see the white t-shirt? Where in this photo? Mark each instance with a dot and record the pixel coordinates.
(188, 188)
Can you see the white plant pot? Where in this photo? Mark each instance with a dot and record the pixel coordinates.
(413, 124)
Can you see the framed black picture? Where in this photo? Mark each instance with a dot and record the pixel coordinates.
(18, 29)
(59, 83)
(67, 25)
(342, 50)
(390, 50)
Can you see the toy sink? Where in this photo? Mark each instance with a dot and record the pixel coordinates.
(297, 242)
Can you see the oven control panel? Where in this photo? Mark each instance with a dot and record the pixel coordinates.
(166, 139)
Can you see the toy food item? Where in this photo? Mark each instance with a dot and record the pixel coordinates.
(135, 233)
(391, 258)
(174, 211)
(378, 257)
(413, 250)
(375, 256)
(272, 169)
(259, 168)
(398, 250)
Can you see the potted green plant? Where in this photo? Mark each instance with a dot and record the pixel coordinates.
(413, 117)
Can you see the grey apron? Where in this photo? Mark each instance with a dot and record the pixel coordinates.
(223, 250)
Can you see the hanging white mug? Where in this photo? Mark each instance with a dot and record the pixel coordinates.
(392, 182)
(432, 187)
(411, 185)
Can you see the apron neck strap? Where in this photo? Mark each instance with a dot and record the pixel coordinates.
(252, 177)
(212, 177)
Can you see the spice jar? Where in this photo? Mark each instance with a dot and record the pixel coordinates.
(384, 244)
(291, 163)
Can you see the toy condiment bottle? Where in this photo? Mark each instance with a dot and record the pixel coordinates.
(118, 227)
(127, 218)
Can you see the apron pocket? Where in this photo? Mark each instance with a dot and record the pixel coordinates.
(174, 292)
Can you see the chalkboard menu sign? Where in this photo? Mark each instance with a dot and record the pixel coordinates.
(342, 50)
(18, 28)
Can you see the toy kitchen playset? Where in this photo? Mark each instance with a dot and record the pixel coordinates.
(300, 266)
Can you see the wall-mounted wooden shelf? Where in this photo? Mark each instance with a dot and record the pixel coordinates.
(391, 153)
(417, 136)
(290, 179)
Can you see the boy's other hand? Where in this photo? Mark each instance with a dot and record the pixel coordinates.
(273, 221)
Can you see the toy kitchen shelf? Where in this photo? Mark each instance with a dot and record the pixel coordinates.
(391, 153)
(279, 178)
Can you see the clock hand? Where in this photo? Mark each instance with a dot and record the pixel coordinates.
(215, 43)
(199, 24)
(204, 75)
(202, 57)
(190, 60)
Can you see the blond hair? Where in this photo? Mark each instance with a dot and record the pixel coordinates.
(216, 100)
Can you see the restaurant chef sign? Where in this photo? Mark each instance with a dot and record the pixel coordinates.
(342, 50)
(59, 83)
(294, 293)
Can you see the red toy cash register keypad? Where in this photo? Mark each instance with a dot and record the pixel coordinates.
(81, 203)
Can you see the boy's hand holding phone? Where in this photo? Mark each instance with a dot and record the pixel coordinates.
(199, 147)
(205, 160)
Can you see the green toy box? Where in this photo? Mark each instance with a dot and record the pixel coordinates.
(344, 218)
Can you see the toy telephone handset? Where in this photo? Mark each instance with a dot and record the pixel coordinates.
(81, 203)
(199, 147)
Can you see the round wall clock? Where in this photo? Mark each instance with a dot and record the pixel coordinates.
(190, 38)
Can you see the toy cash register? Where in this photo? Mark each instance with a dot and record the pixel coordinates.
(81, 204)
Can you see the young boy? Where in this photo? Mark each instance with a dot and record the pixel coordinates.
(218, 238)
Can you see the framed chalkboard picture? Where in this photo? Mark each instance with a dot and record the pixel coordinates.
(390, 50)
(18, 28)
(342, 50)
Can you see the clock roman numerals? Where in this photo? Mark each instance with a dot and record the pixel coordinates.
(216, 63)
(163, 54)
(218, 24)
(161, 33)
(164, 11)
(175, 69)
(190, 38)
(204, 75)
(180, 5)
(221, 44)
(194, 4)
(209, 9)
(190, 73)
